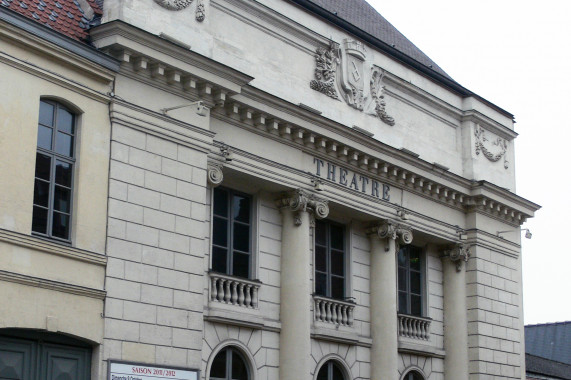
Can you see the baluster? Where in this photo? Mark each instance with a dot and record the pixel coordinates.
(227, 295)
(241, 294)
(221, 290)
(351, 309)
(248, 296)
(406, 327)
(234, 289)
(322, 311)
(213, 288)
(400, 325)
(344, 315)
(254, 296)
(317, 309)
(328, 308)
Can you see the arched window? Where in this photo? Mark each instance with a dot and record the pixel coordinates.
(55, 158)
(413, 375)
(330, 371)
(229, 364)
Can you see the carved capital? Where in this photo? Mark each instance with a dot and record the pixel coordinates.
(391, 230)
(215, 175)
(300, 200)
(458, 254)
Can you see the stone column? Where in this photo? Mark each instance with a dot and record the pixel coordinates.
(298, 208)
(455, 313)
(385, 239)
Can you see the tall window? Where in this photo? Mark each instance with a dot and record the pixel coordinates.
(231, 233)
(229, 365)
(330, 371)
(410, 280)
(329, 259)
(413, 375)
(54, 171)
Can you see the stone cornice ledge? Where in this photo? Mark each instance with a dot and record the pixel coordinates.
(344, 337)
(240, 318)
(406, 347)
(43, 245)
(51, 285)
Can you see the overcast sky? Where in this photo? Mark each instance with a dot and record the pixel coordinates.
(516, 54)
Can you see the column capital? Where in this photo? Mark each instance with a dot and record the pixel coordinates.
(214, 173)
(391, 230)
(301, 200)
(458, 254)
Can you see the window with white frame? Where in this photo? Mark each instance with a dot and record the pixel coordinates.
(330, 266)
(330, 370)
(229, 364)
(232, 233)
(410, 281)
(55, 158)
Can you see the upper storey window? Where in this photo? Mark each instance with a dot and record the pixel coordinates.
(232, 233)
(55, 157)
(410, 286)
(329, 259)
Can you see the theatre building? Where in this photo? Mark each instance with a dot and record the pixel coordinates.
(249, 190)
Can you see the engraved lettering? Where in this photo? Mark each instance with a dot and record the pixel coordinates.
(364, 182)
(375, 189)
(354, 182)
(386, 195)
(320, 164)
(331, 172)
(343, 176)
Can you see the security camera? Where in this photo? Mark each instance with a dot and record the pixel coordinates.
(201, 109)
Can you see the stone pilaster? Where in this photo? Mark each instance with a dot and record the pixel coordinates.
(455, 313)
(298, 208)
(385, 239)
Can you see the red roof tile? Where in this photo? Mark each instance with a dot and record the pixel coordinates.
(64, 16)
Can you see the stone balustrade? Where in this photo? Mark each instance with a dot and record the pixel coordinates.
(333, 311)
(234, 291)
(414, 327)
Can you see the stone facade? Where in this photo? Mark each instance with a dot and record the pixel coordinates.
(316, 127)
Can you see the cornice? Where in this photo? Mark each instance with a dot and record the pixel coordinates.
(43, 245)
(51, 285)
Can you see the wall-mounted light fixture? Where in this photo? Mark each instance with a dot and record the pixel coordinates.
(201, 109)
(317, 184)
(527, 232)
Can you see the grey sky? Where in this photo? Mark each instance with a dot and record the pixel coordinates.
(516, 54)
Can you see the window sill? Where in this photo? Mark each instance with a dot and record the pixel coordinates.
(423, 348)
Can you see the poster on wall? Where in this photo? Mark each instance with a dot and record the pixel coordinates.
(134, 371)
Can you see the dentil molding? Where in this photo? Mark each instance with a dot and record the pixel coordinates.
(301, 200)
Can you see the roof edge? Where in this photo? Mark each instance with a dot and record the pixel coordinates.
(400, 56)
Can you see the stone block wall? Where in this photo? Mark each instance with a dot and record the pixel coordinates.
(155, 247)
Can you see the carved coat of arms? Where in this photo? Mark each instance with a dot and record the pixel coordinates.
(345, 70)
(178, 5)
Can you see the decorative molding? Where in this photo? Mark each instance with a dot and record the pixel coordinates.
(345, 67)
(500, 143)
(391, 230)
(301, 200)
(326, 62)
(174, 5)
(51, 285)
(458, 254)
(200, 10)
(215, 175)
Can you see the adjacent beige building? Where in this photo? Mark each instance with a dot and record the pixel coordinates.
(249, 190)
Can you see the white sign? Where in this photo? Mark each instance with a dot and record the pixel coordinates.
(123, 371)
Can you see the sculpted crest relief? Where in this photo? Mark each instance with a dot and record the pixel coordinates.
(178, 5)
(493, 149)
(344, 69)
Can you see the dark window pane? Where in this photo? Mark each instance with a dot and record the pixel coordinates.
(218, 368)
(219, 260)
(415, 258)
(337, 263)
(60, 225)
(62, 198)
(320, 284)
(241, 265)
(320, 233)
(63, 173)
(402, 279)
(220, 232)
(320, 259)
(220, 202)
(415, 305)
(41, 193)
(337, 374)
(239, 371)
(64, 121)
(337, 237)
(402, 257)
(415, 282)
(241, 207)
(337, 287)
(64, 144)
(46, 114)
(43, 166)
(40, 220)
(403, 308)
(322, 375)
(45, 137)
(241, 237)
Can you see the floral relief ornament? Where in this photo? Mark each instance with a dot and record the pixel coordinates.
(496, 151)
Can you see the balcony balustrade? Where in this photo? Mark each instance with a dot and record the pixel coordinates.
(234, 291)
(333, 311)
(414, 327)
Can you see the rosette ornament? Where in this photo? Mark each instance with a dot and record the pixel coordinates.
(215, 175)
(300, 200)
